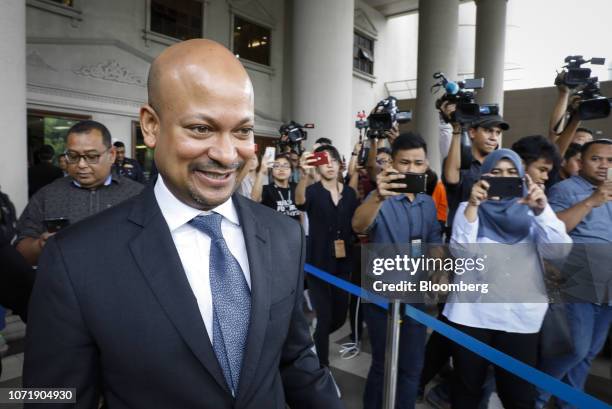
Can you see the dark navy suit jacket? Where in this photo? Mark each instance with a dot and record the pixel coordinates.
(112, 314)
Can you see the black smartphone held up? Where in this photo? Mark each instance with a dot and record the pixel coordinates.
(55, 225)
(504, 187)
(415, 183)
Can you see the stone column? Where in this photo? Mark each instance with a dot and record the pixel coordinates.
(490, 50)
(437, 51)
(322, 69)
(13, 113)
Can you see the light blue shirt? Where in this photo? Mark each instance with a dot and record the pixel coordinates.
(107, 182)
(400, 221)
(595, 227)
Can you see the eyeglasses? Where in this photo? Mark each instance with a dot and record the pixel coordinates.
(283, 166)
(91, 158)
(382, 161)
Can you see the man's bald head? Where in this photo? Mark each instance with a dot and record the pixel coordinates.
(200, 121)
(200, 58)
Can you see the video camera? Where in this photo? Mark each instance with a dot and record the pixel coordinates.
(467, 110)
(462, 94)
(592, 104)
(292, 135)
(385, 114)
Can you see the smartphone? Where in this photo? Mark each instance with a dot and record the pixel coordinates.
(415, 183)
(321, 159)
(269, 155)
(504, 187)
(55, 225)
(609, 174)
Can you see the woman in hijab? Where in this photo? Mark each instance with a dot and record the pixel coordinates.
(512, 268)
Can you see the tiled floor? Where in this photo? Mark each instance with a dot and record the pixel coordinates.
(350, 374)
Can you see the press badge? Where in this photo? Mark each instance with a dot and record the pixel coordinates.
(339, 249)
(415, 248)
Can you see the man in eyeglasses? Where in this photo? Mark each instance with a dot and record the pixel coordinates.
(89, 188)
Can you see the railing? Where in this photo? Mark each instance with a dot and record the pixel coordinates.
(510, 364)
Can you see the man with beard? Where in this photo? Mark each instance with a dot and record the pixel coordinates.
(188, 295)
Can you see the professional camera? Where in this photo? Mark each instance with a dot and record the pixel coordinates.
(574, 73)
(467, 110)
(592, 104)
(292, 135)
(462, 94)
(385, 115)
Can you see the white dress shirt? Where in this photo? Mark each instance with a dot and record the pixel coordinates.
(527, 281)
(193, 246)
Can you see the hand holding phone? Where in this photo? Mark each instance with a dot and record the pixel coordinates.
(321, 158)
(504, 187)
(415, 183)
(269, 156)
(56, 224)
(387, 183)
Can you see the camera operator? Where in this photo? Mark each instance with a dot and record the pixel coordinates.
(280, 194)
(446, 108)
(510, 327)
(329, 206)
(584, 204)
(388, 216)
(579, 98)
(485, 135)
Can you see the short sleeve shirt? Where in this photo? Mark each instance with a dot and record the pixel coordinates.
(281, 199)
(596, 227)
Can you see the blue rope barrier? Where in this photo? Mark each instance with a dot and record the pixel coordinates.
(520, 369)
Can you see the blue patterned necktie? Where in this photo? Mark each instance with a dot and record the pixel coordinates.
(231, 298)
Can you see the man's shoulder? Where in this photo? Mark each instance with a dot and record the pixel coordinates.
(563, 187)
(58, 187)
(127, 185)
(268, 217)
(99, 227)
(133, 162)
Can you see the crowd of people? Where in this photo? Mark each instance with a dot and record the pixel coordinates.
(340, 206)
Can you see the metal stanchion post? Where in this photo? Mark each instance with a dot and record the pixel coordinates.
(391, 354)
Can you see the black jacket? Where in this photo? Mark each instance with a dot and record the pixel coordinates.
(112, 312)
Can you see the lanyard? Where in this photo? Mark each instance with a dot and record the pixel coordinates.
(278, 188)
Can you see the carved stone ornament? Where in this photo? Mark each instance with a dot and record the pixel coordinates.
(110, 70)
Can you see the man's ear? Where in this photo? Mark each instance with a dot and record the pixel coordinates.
(472, 133)
(113, 154)
(150, 125)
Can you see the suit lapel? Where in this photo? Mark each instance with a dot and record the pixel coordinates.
(156, 255)
(256, 237)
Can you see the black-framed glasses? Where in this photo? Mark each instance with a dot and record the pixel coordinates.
(281, 166)
(91, 158)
